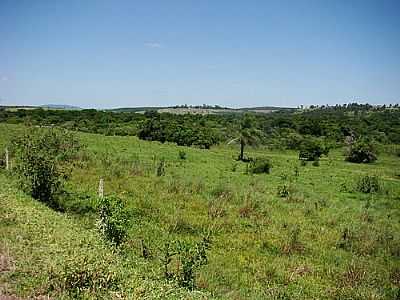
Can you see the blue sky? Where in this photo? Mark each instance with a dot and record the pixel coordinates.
(233, 53)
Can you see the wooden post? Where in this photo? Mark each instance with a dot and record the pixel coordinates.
(101, 188)
(7, 160)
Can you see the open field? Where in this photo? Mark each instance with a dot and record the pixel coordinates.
(324, 240)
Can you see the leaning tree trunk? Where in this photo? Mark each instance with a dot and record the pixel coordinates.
(241, 156)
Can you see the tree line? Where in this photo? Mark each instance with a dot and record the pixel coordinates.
(281, 129)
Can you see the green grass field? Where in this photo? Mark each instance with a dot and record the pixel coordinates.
(325, 240)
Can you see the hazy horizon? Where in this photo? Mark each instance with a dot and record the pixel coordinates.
(108, 54)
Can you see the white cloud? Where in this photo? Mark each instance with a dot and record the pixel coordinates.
(3, 78)
(153, 45)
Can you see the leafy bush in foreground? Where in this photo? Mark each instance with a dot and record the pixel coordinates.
(42, 161)
(112, 222)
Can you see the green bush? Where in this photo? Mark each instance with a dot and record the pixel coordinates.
(361, 152)
(42, 161)
(311, 150)
(368, 184)
(182, 154)
(112, 222)
(259, 165)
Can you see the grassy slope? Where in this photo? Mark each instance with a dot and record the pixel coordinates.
(251, 256)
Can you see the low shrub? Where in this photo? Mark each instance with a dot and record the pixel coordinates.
(259, 165)
(189, 257)
(112, 222)
(182, 154)
(368, 184)
(361, 152)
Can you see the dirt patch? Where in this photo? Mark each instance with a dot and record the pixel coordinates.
(6, 263)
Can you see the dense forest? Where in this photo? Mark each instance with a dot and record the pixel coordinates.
(281, 129)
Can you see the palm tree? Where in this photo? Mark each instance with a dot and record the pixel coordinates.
(248, 135)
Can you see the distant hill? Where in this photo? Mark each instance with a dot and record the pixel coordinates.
(179, 109)
(60, 106)
(135, 109)
(200, 109)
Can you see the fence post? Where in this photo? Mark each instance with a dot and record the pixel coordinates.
(7, 161)
(101, 188)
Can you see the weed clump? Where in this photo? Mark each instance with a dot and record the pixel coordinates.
(293, 243)
(283, 190)
(222, 192)
(346, 240)
(189, 257)
(216, 209)
(368, 184)
(85, 275)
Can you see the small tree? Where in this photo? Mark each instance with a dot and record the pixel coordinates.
(248, 135)
(311, 150)
(42, 157)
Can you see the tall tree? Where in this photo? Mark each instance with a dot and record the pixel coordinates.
(248, 134)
